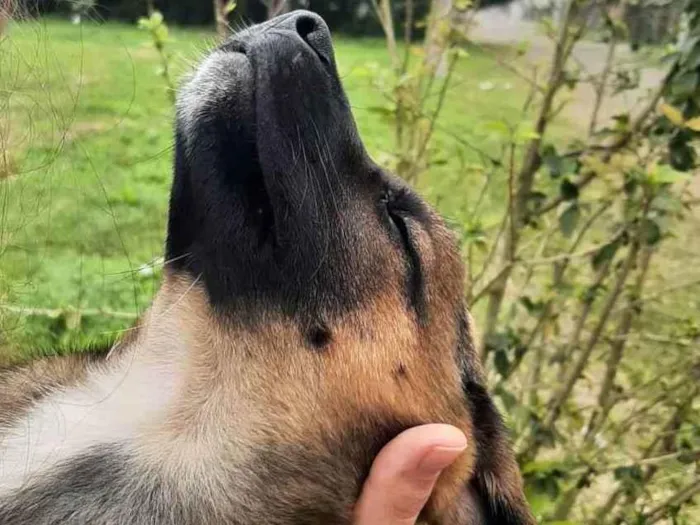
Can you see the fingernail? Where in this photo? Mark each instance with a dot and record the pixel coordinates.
(439, 458)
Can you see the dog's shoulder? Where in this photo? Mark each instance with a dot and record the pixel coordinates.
(25, 383)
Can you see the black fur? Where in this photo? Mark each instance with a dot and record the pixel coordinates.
(490, 433)
(261, 201)
(100, 488)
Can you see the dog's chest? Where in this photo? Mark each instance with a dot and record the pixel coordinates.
(113, 405)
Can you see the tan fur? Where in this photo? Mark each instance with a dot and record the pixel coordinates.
(264, 385)
(247, 386)
(22, 385)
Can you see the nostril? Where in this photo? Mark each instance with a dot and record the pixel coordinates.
(315, 33)
(305, 26)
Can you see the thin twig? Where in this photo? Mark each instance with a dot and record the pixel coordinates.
(682, 496)
(533, 442)
(55, 312)
(601, 84)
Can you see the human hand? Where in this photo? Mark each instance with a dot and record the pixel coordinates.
(404, 473)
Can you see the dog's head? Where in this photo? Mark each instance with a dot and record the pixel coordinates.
(334, 290)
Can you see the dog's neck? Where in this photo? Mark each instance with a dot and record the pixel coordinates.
(128, 398)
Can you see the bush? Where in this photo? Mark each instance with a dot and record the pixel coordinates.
(588, 356)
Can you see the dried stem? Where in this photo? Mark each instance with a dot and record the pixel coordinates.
(222, 27)
(407, 33)
(605, 398)
(605, 402)
(526, 175)
(601, 84)
(433, 119)
(7, 11)
(663, 443)
(557, 279)
(386, 19)
(612, 146)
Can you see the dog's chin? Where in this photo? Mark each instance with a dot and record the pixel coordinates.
(270, 175)
(216, 106)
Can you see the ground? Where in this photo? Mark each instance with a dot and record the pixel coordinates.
(497, 27)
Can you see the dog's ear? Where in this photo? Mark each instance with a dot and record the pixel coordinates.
(497, 484)
(496, 487)
(474, 507)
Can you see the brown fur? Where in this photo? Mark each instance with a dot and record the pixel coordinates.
(267, 386)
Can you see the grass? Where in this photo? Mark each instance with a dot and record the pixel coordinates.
(85, 138)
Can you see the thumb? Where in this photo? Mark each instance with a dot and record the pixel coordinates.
(404, 473)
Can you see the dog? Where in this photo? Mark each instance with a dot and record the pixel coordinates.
(311, 309)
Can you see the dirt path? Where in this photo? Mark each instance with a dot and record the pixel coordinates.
(500, 27)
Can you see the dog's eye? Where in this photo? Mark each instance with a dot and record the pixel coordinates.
(397, 217)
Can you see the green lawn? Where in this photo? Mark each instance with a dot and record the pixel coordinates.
(85, 138)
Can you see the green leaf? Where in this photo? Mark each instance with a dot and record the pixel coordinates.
(664, 174)
(687, 458)
(475, 235)
(694, 124)
(522, 48)
(160, 33)
(229, 8)
(532, 307)
(651, 231)
(568, 218)
(498, 129)
(681, 155)
(688, 47)
(500, 361)
(672, 114)
(525, 133)
(549, 467)
(622, 121)
(605, 254)
(685, 85)
(632, 473)
(463, 4)
(509, 400)
(558, 165)
(459, 52)
(387, 113)
(568, 190)
(631, 183)
(692, 60)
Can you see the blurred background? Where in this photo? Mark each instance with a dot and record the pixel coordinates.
(558, 137)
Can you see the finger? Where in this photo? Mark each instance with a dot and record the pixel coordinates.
(404, 473)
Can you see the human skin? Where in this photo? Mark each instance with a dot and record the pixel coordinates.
(404, 473)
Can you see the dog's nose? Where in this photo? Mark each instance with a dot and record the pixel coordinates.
(313, 30)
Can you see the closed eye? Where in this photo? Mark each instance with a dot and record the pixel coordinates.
(399, 223)
(400, 220)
